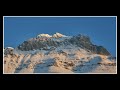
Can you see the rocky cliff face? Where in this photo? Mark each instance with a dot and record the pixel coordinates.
(84, 42)
(47, 42)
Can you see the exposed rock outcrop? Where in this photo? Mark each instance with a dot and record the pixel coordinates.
(9, 50)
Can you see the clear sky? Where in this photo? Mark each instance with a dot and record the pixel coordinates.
(102, 30)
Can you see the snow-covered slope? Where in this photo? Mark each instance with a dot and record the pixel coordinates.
(69, 59)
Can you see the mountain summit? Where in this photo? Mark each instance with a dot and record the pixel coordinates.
(43, 35)
(56, 35)
(45, 41)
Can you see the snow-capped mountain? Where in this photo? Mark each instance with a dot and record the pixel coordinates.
(44, 41)
(58, 53)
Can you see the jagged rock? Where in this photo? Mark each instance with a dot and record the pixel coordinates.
(52, 48)
(69, 63)
(84, 42)
(62, 52)
(102, 50)
(9, 50)
(57, 63)
(57, 58)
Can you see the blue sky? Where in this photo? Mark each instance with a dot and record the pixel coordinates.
(102, 30)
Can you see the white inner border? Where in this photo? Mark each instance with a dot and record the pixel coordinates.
(59, 16)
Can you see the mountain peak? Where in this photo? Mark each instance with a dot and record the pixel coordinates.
(58, 39)
(44, 35)
(58, 35)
